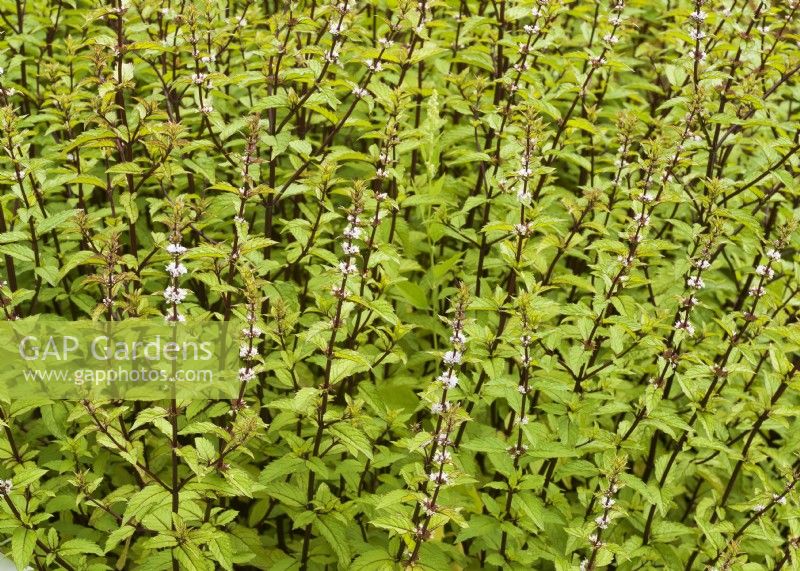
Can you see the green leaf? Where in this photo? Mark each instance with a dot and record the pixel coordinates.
(28, 476)
(128, 203)
(582, 124)
(353, 439)
(17, 251)
(125, 168)
(23, 544)
(56, 220)
(118, 535)
(80, 547)
(335, 534)
(279, 468)
(373, 560)
(145, 500)
(287, 494)
(75, 260)
(148, 415)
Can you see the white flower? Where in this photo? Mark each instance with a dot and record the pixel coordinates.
(517, 451)
(374, 66)
(360, 92)
(642, 218)
(773, 255)
(206, 109)
(350, 249)
(449, 379)
(597, 61)
(352, 232)
(696, 35)
(686, 326)
(702, 264)
(175, 295)
(690, 301)
(441, 456)
(615, 20)
(531, 29)
(452, 357)
(332, 56)
(442, 439)
(248, 352)
(522, 229)
(198, 78)
(523, 196)
(584, 566)
(458, 338)
(758, 508)
(779, 499)
(335, 29)
(626, 261)
(246, 374)
(437, 408)
(698, 16)
(522, 420)
(386, 42)
(176, 269)
(252, 332)
(602, 521)
(695, 282)
(756, 291)
(347, 268)
(428, 506)
(174, 316)
(5, 485)
(765, 271)
(1, 70)
(607, 501)
(611, 39)
(524, 172)
(440, 478)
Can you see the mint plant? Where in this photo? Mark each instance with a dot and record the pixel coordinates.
(514, 282)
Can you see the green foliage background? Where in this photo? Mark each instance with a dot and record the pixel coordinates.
(599, 199)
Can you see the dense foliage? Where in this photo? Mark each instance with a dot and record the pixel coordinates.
(518, 281)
